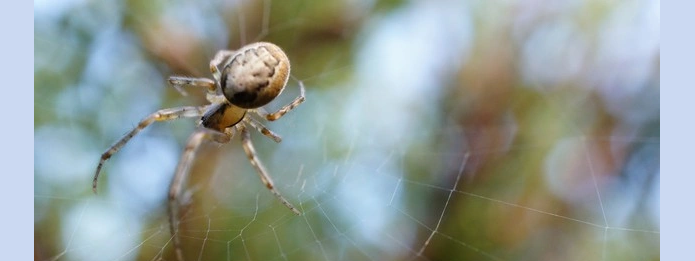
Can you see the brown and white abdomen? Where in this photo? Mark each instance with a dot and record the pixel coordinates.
(255, 75)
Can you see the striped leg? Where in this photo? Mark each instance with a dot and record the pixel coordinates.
(161, 115)
(182, 170)
(267, 181)
(179, 82)
(282, 111)
(262, 129)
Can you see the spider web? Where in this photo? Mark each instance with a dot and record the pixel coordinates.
(408, 148)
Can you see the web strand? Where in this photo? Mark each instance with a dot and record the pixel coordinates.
(446, 204)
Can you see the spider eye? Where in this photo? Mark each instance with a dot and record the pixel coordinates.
(255, 75)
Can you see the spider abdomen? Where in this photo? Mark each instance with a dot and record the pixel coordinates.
(255, 75)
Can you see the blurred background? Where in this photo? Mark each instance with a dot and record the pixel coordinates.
(432, 130)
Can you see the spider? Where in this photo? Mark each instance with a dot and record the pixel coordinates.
(244, 81)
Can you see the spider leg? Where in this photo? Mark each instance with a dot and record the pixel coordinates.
(262, 129)
(182, 170)
(179, 82)
(262, 173)
(219, 57)
(161, 115)
(282, 111)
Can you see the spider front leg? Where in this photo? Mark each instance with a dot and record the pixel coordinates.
(262, 129)
(161, 115)
(182, 170)
(282, 111)
(256, 163)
